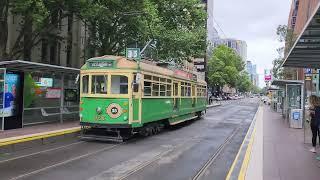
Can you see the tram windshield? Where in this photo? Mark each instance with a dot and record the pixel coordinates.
(99, 84)
(119, 84)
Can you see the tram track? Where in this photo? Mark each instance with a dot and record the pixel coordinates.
(214, 156)
(199, 174)
(67, 161)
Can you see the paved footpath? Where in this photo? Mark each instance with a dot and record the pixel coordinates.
(279, 152)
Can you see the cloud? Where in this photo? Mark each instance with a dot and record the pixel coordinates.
(254, 21)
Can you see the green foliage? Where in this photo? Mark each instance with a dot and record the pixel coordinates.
(244, 84)
(177, 28)
(29, 90)
(288, 36)
(225, 67)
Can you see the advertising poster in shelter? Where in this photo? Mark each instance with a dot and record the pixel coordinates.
(11, 88)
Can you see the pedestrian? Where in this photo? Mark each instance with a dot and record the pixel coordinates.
(314, 111)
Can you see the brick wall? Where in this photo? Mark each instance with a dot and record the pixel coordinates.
(303, 12)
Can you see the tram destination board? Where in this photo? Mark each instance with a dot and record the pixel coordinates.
(103, 64)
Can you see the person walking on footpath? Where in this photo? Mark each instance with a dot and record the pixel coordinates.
(314, 110)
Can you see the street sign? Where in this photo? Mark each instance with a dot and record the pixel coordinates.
(133, 53)
(308, 71)
(267, 75)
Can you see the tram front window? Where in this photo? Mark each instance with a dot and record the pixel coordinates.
(85, 84)
(119, 84)
(99, 84)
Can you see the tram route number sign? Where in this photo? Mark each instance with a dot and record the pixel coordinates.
(133, 53)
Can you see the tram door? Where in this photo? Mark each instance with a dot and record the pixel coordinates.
(175, 96)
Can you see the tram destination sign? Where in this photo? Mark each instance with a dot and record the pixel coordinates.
(102, 64)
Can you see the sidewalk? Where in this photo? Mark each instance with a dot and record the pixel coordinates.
(35, 129)
(37, 135)
(283, 154)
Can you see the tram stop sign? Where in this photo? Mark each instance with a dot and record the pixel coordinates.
(133, 53)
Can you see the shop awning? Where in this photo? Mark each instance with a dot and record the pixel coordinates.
(285, 82)
(27, 66)
(306, 51)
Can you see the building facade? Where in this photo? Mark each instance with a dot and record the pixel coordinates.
(67, 50)
(238, 45)
(300, 12)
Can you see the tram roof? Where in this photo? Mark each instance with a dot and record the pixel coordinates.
(305, 52)
(148, 66)
(27, 66)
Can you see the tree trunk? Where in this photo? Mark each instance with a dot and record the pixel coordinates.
(3, 28)
(27, 39)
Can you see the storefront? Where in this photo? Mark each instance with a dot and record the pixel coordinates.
(33, 93)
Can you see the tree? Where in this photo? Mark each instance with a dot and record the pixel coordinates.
(177, 28)
(288, 36)
(224, 67)
(244, 84)
(40, 21)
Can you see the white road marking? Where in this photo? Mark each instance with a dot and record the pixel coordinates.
(64, 162)
(44, 151)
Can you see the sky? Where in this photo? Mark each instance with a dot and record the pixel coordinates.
(254, 21)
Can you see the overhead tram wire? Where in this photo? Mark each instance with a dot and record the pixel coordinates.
(216, 22)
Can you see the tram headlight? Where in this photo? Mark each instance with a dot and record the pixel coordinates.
(99, 110)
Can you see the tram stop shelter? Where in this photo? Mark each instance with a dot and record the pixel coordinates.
(35, 93)
(305, 53)
(275, 98)
(291, 99)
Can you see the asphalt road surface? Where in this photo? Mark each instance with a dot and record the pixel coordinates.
(201, 149)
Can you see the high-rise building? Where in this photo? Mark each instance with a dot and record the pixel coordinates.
(252, 73)
(212, 31)
(238, 45)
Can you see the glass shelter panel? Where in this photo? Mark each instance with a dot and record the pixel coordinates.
(42, 93)
(294, 96)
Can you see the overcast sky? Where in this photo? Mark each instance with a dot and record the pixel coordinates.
(254, 21)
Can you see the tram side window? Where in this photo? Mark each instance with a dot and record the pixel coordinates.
(99, 84)
(147, 88)
(188, 89)
(168, 89)
(176, 93)
(155, 89)
(119, 84)
(183, 89)
(85, 84)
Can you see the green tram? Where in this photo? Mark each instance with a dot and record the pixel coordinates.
(120, 97)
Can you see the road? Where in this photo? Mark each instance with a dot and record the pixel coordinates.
(202, 149)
